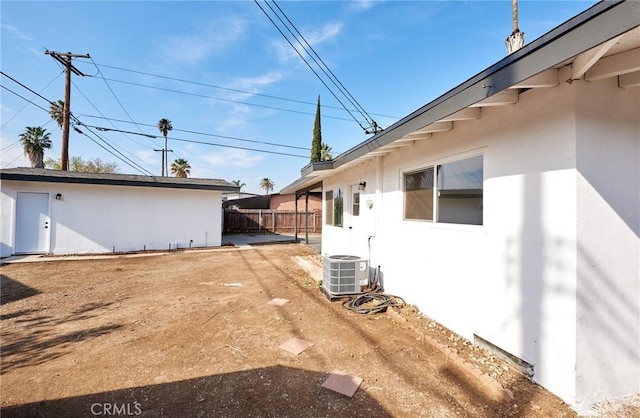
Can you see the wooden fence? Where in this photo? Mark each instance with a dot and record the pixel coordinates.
(266, 221)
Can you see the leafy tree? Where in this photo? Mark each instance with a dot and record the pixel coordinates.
(164, 126)
(325, 152)
(56, 110)
(316, 142)
(35, 140)
(82, 166)
(238, 183)
(180, 168)
(267, 184)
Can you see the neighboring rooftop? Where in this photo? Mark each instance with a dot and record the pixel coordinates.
(57, 176)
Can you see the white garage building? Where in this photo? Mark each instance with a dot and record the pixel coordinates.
(61, 212)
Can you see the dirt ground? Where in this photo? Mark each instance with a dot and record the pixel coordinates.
(190, 334)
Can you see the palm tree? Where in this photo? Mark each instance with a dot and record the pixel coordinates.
(325, 152)
(56, 110)
(238, 183)
(34, 141)
(181, 168)
(267, 184)
(164, 125)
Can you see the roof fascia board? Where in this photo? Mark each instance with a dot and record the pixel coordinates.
(317, 166)
(610, 19)
(114, 182)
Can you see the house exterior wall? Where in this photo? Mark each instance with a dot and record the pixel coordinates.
(608, 247)
(287, 202)
(97, 218)
(524, 280)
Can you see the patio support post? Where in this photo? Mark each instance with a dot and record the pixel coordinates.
(306, 217)
(295, 228)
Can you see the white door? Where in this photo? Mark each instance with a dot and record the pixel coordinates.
(32, 222)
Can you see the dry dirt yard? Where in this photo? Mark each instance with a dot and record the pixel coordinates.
(190, 334)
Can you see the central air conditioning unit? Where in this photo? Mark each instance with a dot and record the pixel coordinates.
(344, 274)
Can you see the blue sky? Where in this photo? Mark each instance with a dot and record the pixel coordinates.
(240, 78)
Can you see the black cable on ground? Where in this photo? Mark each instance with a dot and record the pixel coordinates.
(376, 302)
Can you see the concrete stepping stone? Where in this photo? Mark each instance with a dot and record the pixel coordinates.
(295, 346)
(342, 383)
(277, 301)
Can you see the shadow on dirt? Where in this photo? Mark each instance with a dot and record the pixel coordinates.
(12, 290)
(267, 392)
(32, 337)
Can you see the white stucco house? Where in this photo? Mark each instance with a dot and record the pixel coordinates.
(508, 209)
(62, 212)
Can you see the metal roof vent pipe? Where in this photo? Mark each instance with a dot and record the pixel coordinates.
(515, 41)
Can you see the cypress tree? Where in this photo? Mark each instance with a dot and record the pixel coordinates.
(316, 143)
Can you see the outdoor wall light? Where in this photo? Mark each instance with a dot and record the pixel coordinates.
(362, 185)
(59, 196)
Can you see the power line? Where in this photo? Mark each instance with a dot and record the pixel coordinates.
(119, 155)
(200, 142)
(31, 90)
(221, 99)
(124, 159)
(226, 88)
(205, 134)
(321, 65)
(325, 68)
(28, 101)
(306, 62)
(114, 94)
(22, 97)
(112, 124)
(65, 58)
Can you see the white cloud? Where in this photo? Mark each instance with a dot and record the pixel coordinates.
(16, 33)
(252, 85)
(13, 155)
(328, 32)
(362, 5)
(195, 48)
(150, 157)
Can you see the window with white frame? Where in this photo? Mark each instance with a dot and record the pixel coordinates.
(450, 192)
(355, 204)
(334, 207)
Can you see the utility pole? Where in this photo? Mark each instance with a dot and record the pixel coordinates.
(65, 58)
(165, 163)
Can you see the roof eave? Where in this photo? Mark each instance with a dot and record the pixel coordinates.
(610, 19)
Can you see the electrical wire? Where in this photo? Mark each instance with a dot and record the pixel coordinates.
(124, 159)
(112, 124)
(322, 67)
(29, 101)
(114, 94)
(325, 68)
(199, 142)
(119, 155)
(306, 62)
(226, 88)
(372, 302)
(223, 99)
(208, 134)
